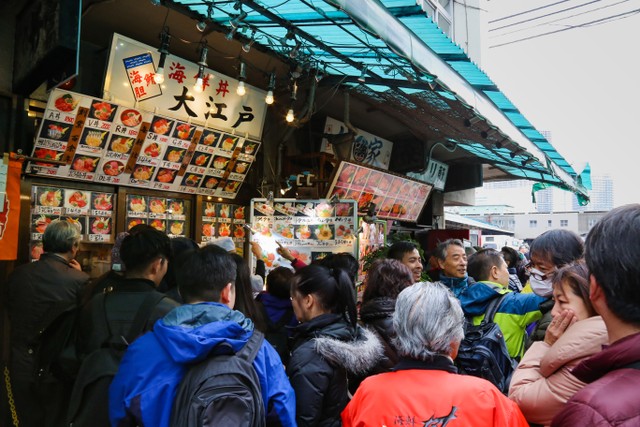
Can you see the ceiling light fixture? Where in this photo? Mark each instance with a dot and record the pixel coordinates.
(290, 117)
(272, 85)
(363, 76)
(235, 22)
(231, 33)
(165, 39)
(202, 24)
(247, 46)
(156, 2)
(198, 87)
(295, 49)
(242, 76)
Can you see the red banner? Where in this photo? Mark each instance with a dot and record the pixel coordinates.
(10, 214)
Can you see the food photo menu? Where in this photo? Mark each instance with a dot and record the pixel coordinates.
(91, 212)
(223, 220)
(103, 142)
(164, 214)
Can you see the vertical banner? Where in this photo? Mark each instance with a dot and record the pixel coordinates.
(10, 209)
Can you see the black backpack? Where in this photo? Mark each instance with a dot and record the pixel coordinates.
(89, 403)
(277, 333)
(223, 390)
(483, 351)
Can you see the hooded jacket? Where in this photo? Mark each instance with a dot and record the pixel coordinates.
(327, 349)
(143, 391)
(611, 398)
(276, 307)
(543, 382)
(377, 315)
(514, 313)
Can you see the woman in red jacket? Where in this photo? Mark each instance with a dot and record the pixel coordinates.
(424, 387)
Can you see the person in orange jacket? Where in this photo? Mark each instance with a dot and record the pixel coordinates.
(424, 388)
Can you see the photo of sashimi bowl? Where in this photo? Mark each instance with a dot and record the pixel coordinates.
(324, 232)
(142, 172)
(130, 118)
(56, 131)
(176, 228)
(102, 110)
(166, 175)
(183, 131)
(161, 125)
(113, 168)
(200, 159)
(344, 232)
(238, 231)
(100, 225)
(344, 209)
(40, 222)
(324, 210)
(137, 203)
(120, 144)
(102, 201)
(191, 179)
(220, 162)
(66, 103)
(133, 222)
(77, 199)
(50, 197)
(211, 182)
(232, 186)
(94, 138)
(210, 138)
(224, 230)
(176, 207)
(152, 150)
(249, 148)
(303, 232)
(159, 224)
(241, 167)
(208, 229)
(47, 154)
(175, 155)
(85, 163)
(228, 142)
(284, 230)
(157, 205)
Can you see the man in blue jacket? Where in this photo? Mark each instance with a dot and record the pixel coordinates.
(143, 391)
(515, 312)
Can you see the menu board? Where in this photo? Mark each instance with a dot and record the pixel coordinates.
(223, 220)
(395, 197)
(310, 229)
(103, 142)
(91, 212)
(164, 214)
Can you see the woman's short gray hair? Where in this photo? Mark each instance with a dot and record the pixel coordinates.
(60, 237)
(428, 318)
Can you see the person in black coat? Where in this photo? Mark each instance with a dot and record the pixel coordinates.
(38, 293)
(385, 280)
(328, 345)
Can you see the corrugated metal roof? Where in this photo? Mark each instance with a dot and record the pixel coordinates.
(331, 40)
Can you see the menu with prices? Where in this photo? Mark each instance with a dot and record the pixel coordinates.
(164, 214)
(90, 212)
(395, 197)
(223, 220)
(310, 229)
(100, 141)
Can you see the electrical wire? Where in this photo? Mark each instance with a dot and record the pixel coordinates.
(560, 19)
(586, 24)
(545, 16)
(527, 11)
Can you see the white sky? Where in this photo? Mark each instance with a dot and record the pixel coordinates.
(582, 85)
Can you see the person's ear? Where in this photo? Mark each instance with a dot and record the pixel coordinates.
(440, 263)
(308, 302)
(454, 349)
(156, 266)
(495, 273)
(596, 294)
(227, 295)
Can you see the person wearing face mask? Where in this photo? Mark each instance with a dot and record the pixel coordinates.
(550, 251)
(543, 382)
(452, 260)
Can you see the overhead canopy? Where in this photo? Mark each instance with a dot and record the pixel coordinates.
(395, 57)
(464, 222)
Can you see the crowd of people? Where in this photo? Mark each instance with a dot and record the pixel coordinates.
(185, 321)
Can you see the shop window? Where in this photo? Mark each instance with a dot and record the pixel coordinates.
(441, 12)
(564, 223)
(533, 223)
(549, 223)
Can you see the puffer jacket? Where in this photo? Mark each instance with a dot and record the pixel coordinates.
(543, 383)
(377, 316)
(326, 350)
(611, 398)
(540, 328)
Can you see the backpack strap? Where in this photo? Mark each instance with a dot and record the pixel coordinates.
(251, 348)
(144, 313)
(492, 308)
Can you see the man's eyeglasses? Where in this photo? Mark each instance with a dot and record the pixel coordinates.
(539, 275)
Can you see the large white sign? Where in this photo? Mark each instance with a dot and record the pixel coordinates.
(130, 82)
(367, 148)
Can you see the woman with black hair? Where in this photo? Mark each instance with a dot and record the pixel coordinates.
(245, 303)
(328, 345)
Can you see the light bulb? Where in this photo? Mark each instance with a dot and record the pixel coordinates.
(269, 98)
(241, 90)
(198, 86)
(289, 118)
(159, 76)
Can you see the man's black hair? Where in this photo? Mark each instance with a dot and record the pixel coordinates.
(204, 273)
(143, 246)
(612, 254)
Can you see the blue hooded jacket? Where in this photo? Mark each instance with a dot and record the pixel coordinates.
(143, 391)
(515, 312)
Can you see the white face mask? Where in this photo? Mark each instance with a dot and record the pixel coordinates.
(543, 288)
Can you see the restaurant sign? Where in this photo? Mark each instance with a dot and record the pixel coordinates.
(130, 82)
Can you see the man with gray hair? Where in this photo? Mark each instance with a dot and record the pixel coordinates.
(38, 293)
(452, 260)
(424, 388)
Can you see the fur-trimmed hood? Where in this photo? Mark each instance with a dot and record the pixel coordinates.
(357, 356)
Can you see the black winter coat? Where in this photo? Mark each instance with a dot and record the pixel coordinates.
(377, 315)
(326, 350)
(36, 291)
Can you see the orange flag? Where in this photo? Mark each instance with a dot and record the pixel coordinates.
(10, 210)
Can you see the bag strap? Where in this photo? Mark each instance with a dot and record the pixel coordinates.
(251, 348)
(144, 313)
(492, 308)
